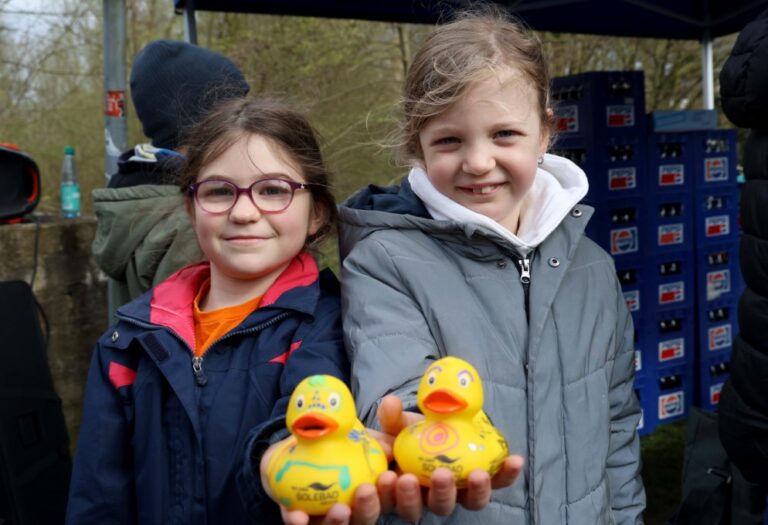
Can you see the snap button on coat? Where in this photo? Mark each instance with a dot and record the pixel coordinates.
(576, 212)
(554, 262)
(501, 263)
(115, 336)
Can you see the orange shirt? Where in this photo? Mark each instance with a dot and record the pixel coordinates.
(211, 325)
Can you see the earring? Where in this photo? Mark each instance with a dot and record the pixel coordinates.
(541, 160)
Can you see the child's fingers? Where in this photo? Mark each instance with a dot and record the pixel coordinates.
(294, 517)
(385, 440)
(477, 494)
(391, 416)
(408, 500)
(441, 498)
(366, 506)
(508, 473)
(385, 486)
(337, 515)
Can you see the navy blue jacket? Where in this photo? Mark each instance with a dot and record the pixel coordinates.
(162, 443)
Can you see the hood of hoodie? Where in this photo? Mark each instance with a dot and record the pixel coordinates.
(415, 204)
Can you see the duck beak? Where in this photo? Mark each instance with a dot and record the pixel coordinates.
(444, 402)
(312, 426)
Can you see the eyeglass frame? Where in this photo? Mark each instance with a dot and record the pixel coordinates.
(248, 191)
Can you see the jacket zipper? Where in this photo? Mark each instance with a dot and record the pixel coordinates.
(525, 277)
(524, 265)
(197, 361)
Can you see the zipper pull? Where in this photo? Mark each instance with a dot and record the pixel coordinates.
(525, 270)
(197, 369)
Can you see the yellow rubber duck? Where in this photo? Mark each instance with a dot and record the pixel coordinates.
(330, 453)
(455, 433)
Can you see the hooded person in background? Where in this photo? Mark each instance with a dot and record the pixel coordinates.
(143, 233)
(743, 410)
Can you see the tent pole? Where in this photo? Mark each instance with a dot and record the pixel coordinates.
(707, 80)
(115, 103)
(115, 121)
(190, 26)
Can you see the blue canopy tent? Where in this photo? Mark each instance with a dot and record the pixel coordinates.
(700, 20)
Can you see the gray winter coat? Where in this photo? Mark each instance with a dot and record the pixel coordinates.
(556, 360)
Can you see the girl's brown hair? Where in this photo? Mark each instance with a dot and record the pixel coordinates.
(273, 120)
(461, 52)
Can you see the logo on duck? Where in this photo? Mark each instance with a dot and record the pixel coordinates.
(624, 240)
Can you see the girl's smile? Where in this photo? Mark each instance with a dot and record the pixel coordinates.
(248, 249)
(482, 152)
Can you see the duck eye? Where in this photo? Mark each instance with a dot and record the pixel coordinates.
(432, 378)
(465, 378)
(300, 401)
(334, 400)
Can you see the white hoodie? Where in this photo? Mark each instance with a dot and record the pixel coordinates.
(558, 186)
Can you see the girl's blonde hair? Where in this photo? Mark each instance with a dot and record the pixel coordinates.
(273, 120)
(461, 52)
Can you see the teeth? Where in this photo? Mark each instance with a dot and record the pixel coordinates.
(483, 190)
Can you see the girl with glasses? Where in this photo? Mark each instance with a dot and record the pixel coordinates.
(200, 368)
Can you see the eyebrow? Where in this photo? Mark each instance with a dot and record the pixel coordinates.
(261, 176)
(436, 368)
(472, 377)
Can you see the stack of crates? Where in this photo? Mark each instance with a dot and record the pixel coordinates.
(718, 275)
(601, 126)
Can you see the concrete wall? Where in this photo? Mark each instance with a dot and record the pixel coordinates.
(71, 290)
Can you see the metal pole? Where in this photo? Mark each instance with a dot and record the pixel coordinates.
(190, 25)
(115, 120)
(708, 80)
(115, 104)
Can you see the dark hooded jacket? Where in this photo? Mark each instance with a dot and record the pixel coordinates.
(743, 410)
(161, 442)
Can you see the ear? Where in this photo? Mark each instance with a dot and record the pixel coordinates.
(318, 217)
(189, 205)
(546, 131)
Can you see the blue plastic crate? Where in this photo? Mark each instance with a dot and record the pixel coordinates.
(599, 103)
(667, 338)
(631, 274)
(712, 374)
(670, 282)
(714, 152)
(670, 222)
(615, 165)
(716, 215)
(670, 163)
(717, 326)
(666, 395)
(718, 273)
(617, 226)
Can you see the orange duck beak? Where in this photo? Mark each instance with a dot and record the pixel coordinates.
(444, 402)
(313, 426)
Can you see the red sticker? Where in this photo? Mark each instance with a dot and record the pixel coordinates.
(114, 103)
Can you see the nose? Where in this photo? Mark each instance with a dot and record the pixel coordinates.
(478, 159)
(244, 210)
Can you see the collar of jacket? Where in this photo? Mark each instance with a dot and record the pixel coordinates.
(170, 304)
